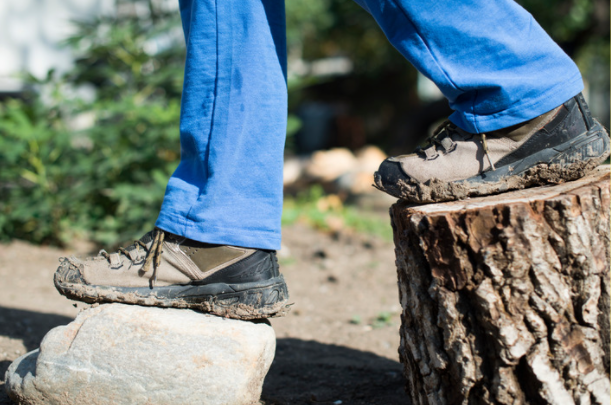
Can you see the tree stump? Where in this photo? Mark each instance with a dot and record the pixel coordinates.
(506, 298)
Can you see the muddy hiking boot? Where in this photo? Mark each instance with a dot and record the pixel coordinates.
(165, 270)
(561, 145)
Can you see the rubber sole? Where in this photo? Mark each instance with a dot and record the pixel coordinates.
(238, 301)
(566, 162)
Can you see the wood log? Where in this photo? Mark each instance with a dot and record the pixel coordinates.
(506, 298)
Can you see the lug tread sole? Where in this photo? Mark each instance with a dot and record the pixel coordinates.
(263, 301)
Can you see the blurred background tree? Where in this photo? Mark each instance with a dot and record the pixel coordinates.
(87, 154)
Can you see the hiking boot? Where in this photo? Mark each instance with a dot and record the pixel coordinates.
(165, 270)
(561, 145)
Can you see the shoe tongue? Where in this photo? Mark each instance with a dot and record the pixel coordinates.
(147, 238)
(518, 132)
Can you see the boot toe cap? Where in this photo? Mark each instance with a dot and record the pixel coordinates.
(389, 175)
(68, 273)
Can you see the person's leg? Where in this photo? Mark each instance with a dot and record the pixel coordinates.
(213, 245)
(228, 186)
(494, 63)
(519, 120)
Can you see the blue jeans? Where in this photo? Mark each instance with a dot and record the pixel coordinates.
(493, 62)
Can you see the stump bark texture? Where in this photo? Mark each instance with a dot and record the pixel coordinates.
(506, 298)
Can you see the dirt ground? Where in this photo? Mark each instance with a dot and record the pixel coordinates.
(338, 345)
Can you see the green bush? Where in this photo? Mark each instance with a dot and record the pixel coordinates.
(104, 182)
(32, 142)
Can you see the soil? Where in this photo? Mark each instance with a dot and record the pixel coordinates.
(337, 345)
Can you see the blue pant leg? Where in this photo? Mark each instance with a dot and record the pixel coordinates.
(491, 59)
(227, 188)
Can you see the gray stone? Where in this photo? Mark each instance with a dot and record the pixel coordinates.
(123, 354)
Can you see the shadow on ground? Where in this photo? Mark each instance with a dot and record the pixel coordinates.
(309, 372)
(27, 326)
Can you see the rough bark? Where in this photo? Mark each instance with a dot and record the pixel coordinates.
(506, 298)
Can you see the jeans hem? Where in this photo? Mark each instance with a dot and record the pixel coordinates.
(248, 238)
(521, 111)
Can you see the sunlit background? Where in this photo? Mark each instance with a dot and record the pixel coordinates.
(89, 108)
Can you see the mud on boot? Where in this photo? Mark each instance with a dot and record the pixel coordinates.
(561, 145)
(165, 270)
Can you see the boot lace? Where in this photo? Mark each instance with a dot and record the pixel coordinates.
(442, 138)
(152, 254)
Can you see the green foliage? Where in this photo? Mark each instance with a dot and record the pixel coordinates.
(104, 182)
(564, 20)
(383, 319)
(356, 319)
(325, 28)
(304, 21)
(130, 54)
(328, 213)
(32, 142)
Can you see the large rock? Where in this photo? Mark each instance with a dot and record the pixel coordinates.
(122, 354)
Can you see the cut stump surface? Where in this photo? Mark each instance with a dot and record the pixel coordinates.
(506, 298)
